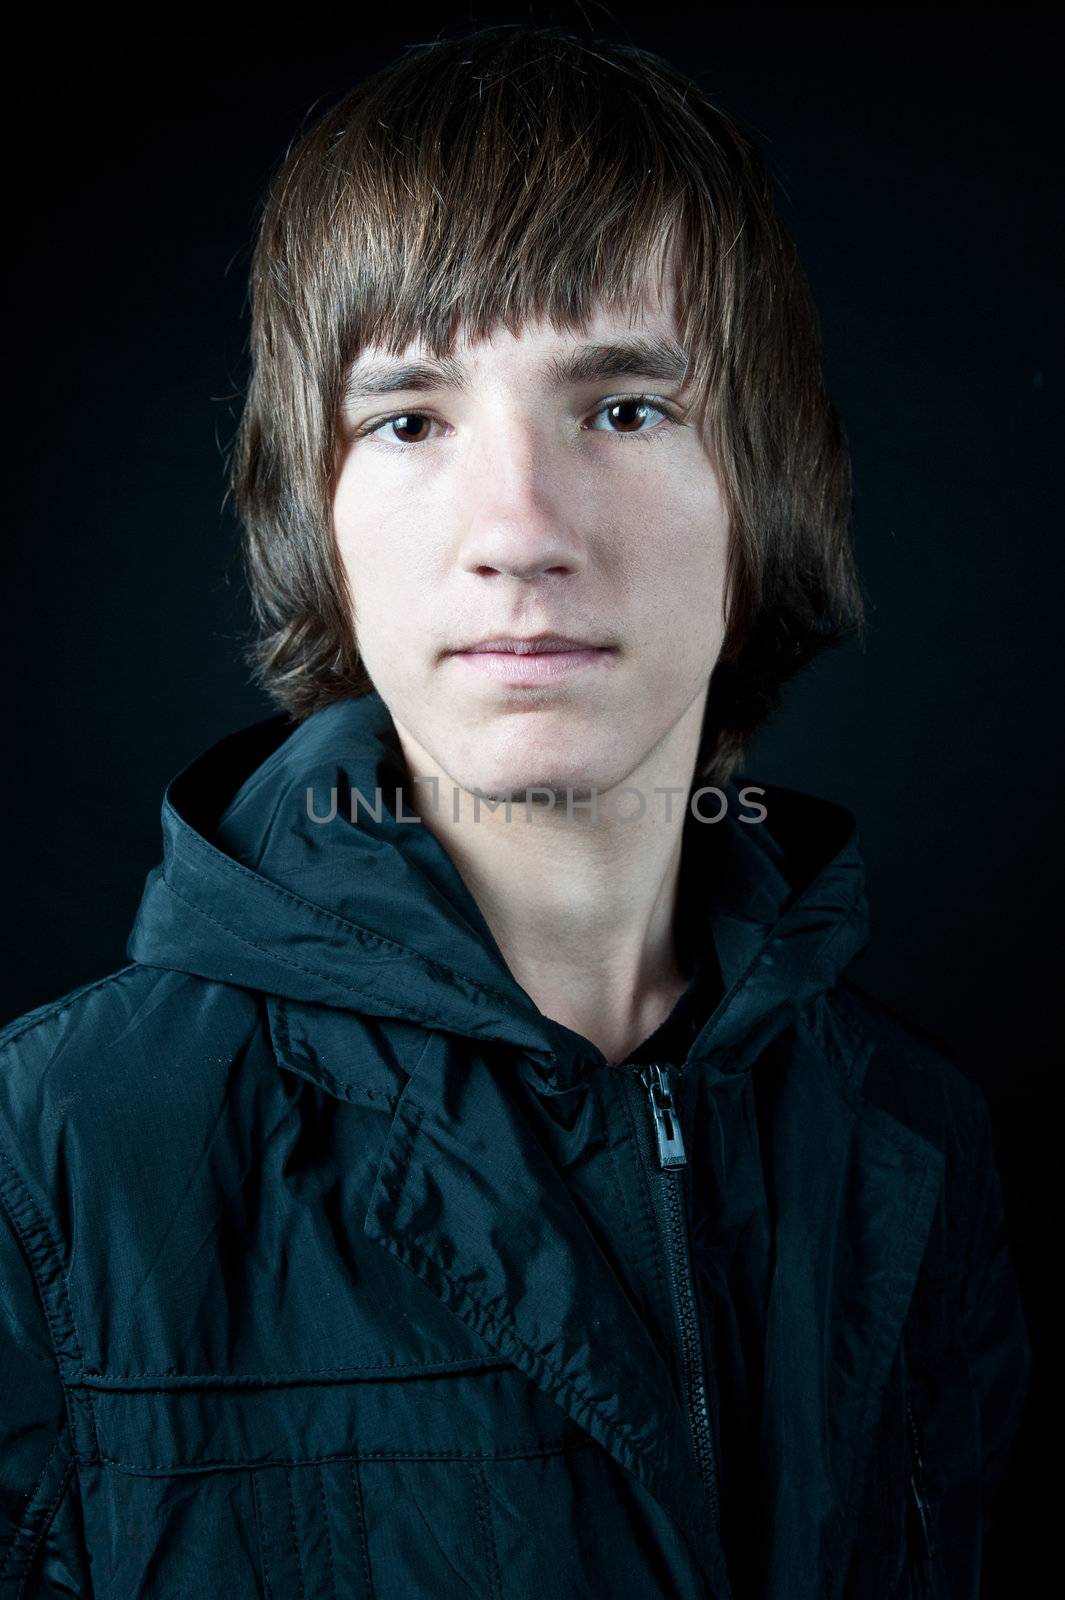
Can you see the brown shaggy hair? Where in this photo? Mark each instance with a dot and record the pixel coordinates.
(521, 172)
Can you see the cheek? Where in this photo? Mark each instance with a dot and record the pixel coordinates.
(688, 624)
(679, 569)
(703, 560)
(385, 567)
(387, 591)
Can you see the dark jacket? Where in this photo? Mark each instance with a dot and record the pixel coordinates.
(332, 1268)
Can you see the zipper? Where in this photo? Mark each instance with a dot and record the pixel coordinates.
(671, 1159)
(917, 1483)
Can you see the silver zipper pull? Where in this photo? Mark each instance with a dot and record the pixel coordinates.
(668, 1137)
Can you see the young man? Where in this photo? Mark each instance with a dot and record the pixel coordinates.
(483, 1179)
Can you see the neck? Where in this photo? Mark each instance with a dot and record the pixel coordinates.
(582, 906)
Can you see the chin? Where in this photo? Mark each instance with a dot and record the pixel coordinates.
(535, 789)
(559, 772)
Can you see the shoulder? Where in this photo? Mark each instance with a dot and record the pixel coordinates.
(912, 1075)
(909, 1070)
(92, 1077)
(85, 996)
(135, 1007)
(49, 1052)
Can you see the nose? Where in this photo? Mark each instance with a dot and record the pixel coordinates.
(522, 516)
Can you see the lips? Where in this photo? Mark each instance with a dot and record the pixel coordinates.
(539, 644)
(533, 662)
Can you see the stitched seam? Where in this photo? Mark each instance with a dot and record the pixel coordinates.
(260, 1525)
(45, 1245)
(29, 1511)
(277, 1021)
(21, 1201)
(318, 913)
(292, 1527)
(517, 1453)
(360, 1518)
(404, 1250)
(28, 1504)
(328, 1534)
(45, 1526)
(178, 1383)
(484, 1517)
(463, 984)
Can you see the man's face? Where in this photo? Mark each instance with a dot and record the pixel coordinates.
(501, 503)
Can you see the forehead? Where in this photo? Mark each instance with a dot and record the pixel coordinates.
(640, 338)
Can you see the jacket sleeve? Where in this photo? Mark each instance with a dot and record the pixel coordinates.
(41, 1546)
(993, 1324)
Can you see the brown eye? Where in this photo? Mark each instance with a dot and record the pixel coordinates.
(627, 412)
(410, 423)
(633, 414)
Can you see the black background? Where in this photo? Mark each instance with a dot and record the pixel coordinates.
(917, 164)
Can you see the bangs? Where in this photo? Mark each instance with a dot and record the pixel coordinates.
(489, 183)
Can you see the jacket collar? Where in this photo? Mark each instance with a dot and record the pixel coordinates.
(374, 917)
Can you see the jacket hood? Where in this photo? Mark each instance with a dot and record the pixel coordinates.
(372, 915)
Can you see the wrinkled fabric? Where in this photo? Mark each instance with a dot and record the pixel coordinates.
(330, 1266)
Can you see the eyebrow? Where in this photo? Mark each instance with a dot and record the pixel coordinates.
(657, 357)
